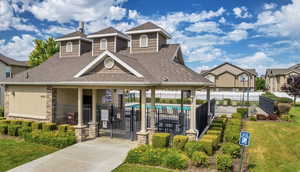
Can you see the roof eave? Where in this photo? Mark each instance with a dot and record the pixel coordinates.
(73, 38)
(108, 34)
(166, 34)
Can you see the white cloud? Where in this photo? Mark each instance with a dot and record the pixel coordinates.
(117, 13)
(59, 30)
(270, 6)
(241, 12)
(209, 26)
(222, 20)
(204, 54)
(245, 26)
(19, 47)
(257, 58)
(236, 35)
(202, 67)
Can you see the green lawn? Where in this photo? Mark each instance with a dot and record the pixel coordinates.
(138, 168)
(275, 146)
(14, 152)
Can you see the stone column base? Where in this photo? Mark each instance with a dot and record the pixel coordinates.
(93, 130)
(192, 134)
(79, 133)
(142, 137)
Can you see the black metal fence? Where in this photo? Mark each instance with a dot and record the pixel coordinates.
(267, 104)
(202, 117)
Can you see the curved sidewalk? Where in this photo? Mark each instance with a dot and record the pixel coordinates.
(101, 154)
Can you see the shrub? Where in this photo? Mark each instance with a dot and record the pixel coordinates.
(213, 137)
(37, 125)
(180, 141)
(223, 116)
(285, 117)
(2, 118)
(63, 128)
(26, 123)
(214, 132)
(71, 128)
(193, 146)
(242, 111)
(216, 128)
(236, 122)
(13, 130)
(3, 129)
(200, 159)
(49, 126)
(175, 160)
(229, 103)
(283, 108)
(252, 118)
(1, 112)
(5, 121)
(224, 162)
(232, 134)
(218, 125)
(135, 155)
(160, 140)
(232, 149)
(153, 156)
(261, 117)
(16, 122)
(24, 130)
(207, 146)
(52, 138)
(236, 116)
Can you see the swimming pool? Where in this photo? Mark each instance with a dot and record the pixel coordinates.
(185, 108)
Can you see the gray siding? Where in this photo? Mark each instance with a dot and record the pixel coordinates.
(85, 46)
(75, 48)
(152, 43)
(161, 41)
(110, 45)
(122, 44)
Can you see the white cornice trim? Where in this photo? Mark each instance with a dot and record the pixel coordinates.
(108, 34)
(100, 58)
(73, 38)
(150, 30)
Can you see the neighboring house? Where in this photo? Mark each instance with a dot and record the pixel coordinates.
(277, 77)
(9, 68)
(229, 77)
(90, 70)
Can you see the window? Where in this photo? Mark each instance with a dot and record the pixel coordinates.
(143, 41)
(103, 44)
(69, 47)
(211, 78)
(8, 74)
(243, 78)
(109, 63)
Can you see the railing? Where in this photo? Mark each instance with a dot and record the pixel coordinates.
(267, 104)
(202, 116)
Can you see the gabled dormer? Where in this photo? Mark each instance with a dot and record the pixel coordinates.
(108, 39)
(147, 38)
(74, 44)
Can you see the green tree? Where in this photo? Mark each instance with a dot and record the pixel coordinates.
(260, 84)
(42, 51)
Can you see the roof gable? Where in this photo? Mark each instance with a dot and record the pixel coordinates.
(148, 27)
(229, 67)
(12, 62)
(110, 31)
(100, 58)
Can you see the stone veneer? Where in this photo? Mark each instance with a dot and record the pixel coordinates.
(142, 138)
(6, 102)
(51, 103)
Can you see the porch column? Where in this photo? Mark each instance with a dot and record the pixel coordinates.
(93, 126)
(152, 128)
(208, 104)
(79, 129)
(192, 132)
(142, 135)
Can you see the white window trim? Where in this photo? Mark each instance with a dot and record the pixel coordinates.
(70, 49)
(101, 48)
(147, 39)
(100, 58)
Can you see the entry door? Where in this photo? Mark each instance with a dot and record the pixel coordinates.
(87, 108)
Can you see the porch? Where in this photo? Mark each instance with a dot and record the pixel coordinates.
(111, 112)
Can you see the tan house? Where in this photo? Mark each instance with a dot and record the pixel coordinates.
(8, 68)
(276, 78)
(96, 71)
(229, 77)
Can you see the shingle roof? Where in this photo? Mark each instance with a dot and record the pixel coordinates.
(108, 31)
(155, 67)
(12, 62)
(252, 71)
(145, 26)
(73, 34)
(279, 71)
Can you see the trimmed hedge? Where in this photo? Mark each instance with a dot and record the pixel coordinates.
(243, 111)
(13, 130)
(37, 125)
(214, 138)
(193, 146)
(160, 140)
(63, 128)
(49, 126)
(200, 159)
(24, 130)
(232, 149)
(16, 122)
(26, 123)
(5, 121)
(224, 162)
(237, 115)
(2, 118)
(214, 132)
(208, 146)
(179, 141)
(55, 139)
(175, 160)
(3, 129)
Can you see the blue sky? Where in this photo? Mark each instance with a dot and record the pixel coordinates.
(261, 34)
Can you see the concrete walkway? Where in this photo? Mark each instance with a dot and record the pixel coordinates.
(102, 154)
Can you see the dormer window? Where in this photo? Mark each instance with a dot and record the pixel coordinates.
(243, 78)
(69, 47)
(143, 41)
(103, 44)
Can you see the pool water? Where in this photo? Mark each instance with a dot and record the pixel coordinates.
(161, 107)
